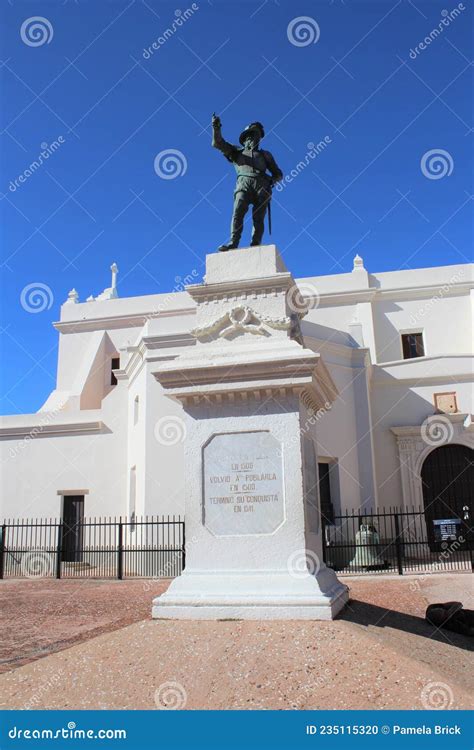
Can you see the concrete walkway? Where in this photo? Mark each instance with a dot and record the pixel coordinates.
(380, 654)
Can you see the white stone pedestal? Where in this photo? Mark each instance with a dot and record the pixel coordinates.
(249, 390)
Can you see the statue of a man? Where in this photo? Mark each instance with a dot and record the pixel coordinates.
(254, 184)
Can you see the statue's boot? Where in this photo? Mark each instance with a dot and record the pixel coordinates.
(227, 246)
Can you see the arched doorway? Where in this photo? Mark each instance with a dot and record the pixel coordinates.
(447, 479)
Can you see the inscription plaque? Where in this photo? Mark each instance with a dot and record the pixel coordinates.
(243, 484)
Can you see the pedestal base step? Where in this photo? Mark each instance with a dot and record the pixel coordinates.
(276, 598)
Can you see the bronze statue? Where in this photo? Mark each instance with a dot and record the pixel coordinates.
(254, 184)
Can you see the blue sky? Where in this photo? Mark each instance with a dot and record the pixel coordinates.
(86, 83)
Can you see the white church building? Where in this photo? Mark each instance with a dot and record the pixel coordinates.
(396, 360)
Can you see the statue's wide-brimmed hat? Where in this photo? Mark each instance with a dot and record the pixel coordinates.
(254, 126)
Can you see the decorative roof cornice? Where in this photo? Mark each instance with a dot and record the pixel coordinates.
(39, 429)
(132, 320)
(370, 294)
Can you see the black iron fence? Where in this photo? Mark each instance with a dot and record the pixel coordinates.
(152, 547)
(397, 541)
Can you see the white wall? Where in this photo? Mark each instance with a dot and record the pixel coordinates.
(446, 325)
(34, 470)
(398, 405)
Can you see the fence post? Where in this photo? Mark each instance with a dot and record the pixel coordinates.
(398, 544)
(323, 534)
(59, 550)
(183, 558)
(2, 550)
(120, 551)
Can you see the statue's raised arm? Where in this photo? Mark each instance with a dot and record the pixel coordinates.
(229, 151)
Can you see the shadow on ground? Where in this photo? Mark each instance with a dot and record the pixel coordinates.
(372, 616)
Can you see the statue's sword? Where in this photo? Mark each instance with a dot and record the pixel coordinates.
(270, 210)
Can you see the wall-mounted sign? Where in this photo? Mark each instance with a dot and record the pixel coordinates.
(446, 529)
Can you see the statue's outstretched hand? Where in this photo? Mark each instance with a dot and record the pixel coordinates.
(216, 121)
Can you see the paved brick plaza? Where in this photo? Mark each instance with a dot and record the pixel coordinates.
(91, 644)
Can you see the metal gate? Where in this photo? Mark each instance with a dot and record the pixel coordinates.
(394, 541)
(151, 547)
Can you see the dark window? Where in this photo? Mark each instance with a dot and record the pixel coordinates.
(412, 344)
(114, 365)
(327, 510)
